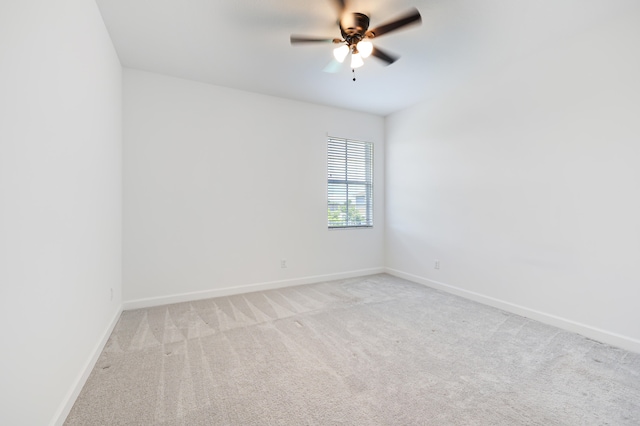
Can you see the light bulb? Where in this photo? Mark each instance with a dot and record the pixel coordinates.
(365, 48)
(356, 61)
(341, 52)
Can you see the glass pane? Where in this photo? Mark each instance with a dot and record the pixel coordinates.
(350, 179)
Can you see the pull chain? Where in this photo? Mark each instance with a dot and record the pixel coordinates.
(353, 71)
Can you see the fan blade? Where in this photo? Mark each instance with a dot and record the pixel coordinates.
(412, 16)
(295, 39)
(381, 54)
(333, 66)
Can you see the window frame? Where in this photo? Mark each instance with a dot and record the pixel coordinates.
(362, 164)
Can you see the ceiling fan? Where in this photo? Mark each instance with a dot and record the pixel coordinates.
(356, 36)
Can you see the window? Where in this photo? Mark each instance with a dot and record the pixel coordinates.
(349, 183)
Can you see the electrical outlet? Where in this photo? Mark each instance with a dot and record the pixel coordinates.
(436, 264)
(283, 263)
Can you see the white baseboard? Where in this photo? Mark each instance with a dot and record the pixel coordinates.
(72, 395)
(230, 291)
(594, 333)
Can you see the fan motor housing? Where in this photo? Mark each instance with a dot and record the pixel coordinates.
(356, 29)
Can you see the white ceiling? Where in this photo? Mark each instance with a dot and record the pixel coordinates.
(244, 44)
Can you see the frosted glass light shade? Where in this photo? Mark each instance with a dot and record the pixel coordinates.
(356, 61)
(341, 52)
(365, 48)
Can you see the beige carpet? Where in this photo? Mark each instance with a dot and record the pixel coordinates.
(376, 350)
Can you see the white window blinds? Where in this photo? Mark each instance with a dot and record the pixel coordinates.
(349, 183)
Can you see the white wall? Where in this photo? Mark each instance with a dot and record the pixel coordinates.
(220, 185)
(525, 181)
(60, 202)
